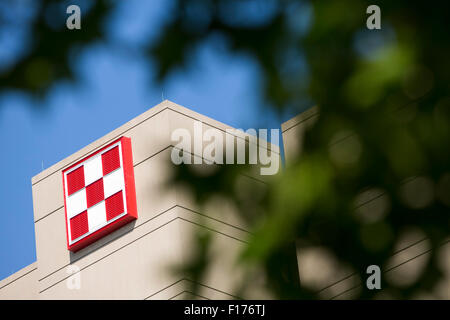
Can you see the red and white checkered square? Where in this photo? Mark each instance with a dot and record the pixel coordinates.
(97, 190)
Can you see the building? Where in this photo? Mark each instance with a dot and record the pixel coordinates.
(135, 260)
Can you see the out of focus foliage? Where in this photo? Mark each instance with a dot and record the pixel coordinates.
(39, 49)
(383, 127)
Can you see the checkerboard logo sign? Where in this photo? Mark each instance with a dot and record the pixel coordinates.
(99, 194)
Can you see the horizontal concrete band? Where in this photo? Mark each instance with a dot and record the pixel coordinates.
(46, 202)
(165, 105)
(171, 215)
(140, 279)
(297, 120)
(18, 275)
(174, 290)
(170, 147)
(351, 282)
(188, 295)
(150, 208)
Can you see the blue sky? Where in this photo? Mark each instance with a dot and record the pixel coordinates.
(116, 87)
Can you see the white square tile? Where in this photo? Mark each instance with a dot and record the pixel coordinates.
(113, 182)
(93, 169)
(76, 203)
(96, 216)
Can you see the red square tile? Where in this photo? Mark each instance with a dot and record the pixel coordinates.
(79, 225)
(75, 180)
(114, 205)
(111, 160)
(94, 193)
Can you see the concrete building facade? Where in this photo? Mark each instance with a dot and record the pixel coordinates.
(137, 261)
